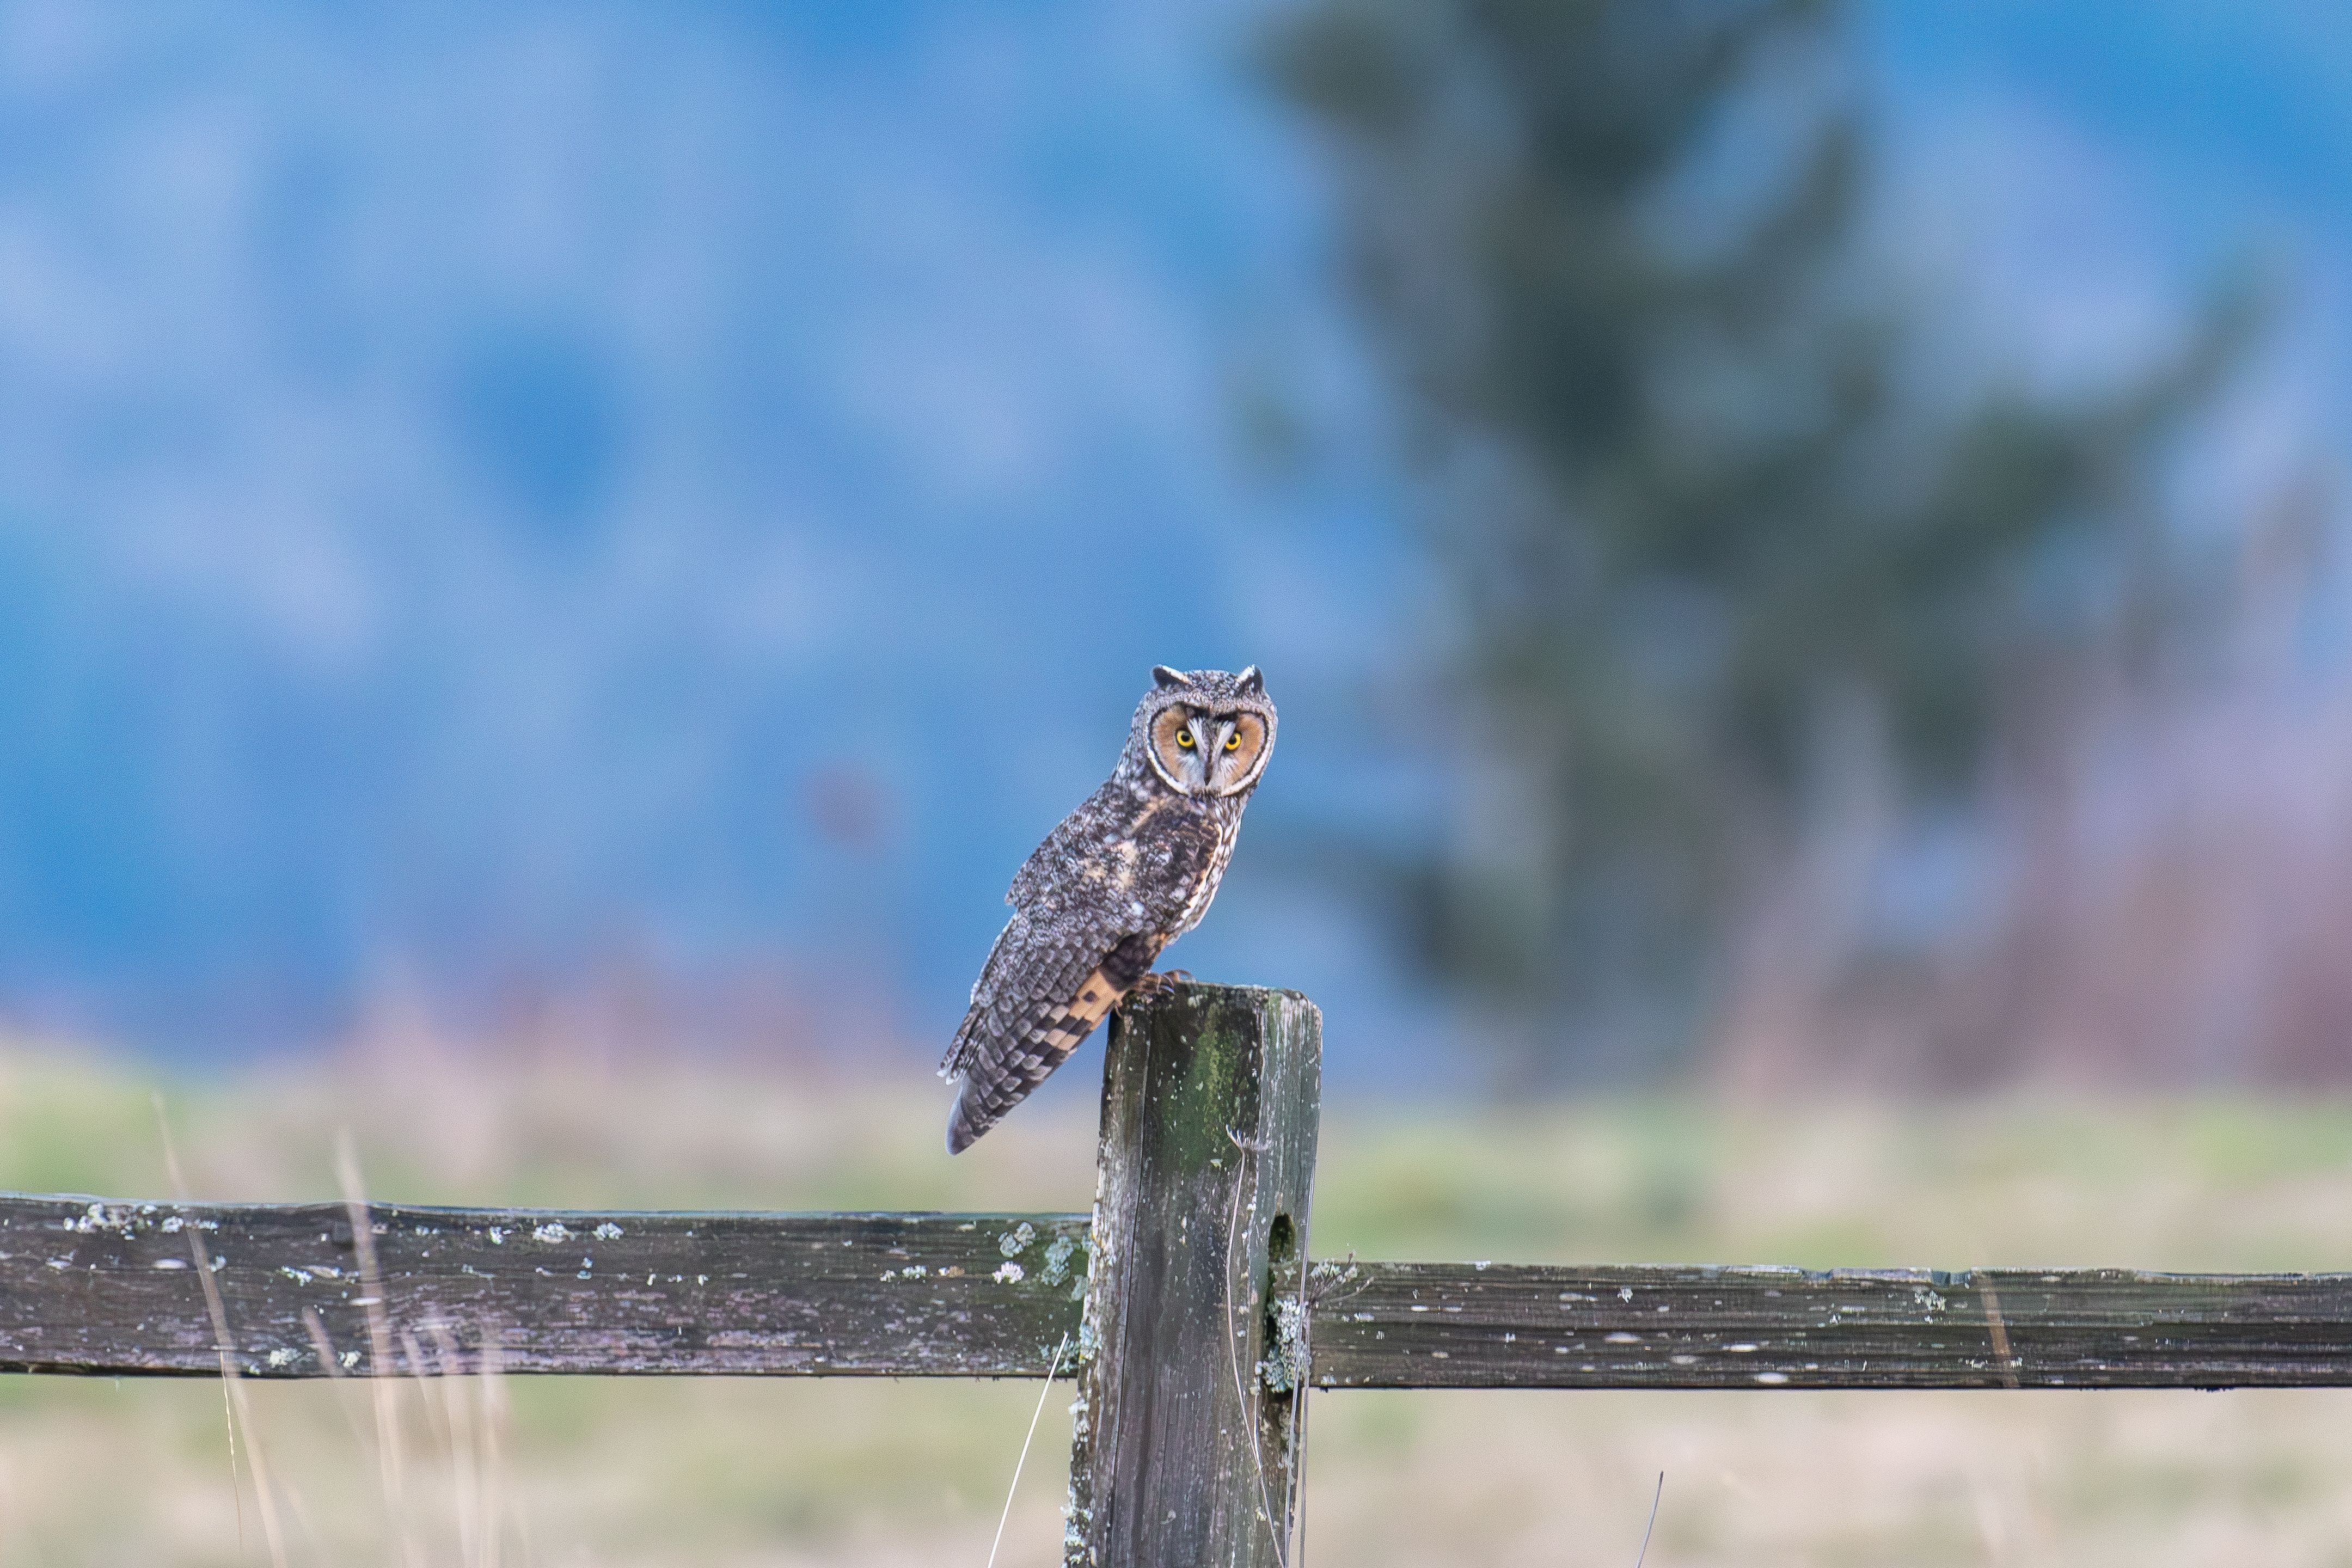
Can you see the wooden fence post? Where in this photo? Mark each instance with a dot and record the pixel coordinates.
(1191, 1380)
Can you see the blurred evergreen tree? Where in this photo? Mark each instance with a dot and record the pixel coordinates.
(1700, 495)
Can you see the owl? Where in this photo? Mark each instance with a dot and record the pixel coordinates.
(1122, 876)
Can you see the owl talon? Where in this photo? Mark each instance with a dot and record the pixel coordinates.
(1156, 985)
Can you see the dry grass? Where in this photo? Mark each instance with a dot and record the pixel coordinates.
(562, 1471)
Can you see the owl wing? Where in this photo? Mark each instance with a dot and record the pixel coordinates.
(1040, 996)
(1075, 945)
(1045, 877)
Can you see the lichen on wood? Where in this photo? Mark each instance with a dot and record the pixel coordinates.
(106, 1287)
(1461, 1325)
(1185, 1454)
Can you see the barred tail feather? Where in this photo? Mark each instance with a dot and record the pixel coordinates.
(1008, 1043)
(994, 1085)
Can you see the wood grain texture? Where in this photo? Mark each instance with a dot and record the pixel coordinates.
(103, 1286)
(1461, 1325)
(1186, 1450)
(92, 1286)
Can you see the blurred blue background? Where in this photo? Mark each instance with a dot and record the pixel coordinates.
(494, 498)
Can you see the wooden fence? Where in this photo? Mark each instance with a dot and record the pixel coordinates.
(1184, 1304)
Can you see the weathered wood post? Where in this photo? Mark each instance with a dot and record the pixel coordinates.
(1191, 1378)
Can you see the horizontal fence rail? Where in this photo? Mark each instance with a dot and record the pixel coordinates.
(323, 1289)
(104, 1287)
(1468, 1325)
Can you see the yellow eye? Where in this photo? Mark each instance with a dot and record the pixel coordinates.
(1234, 741)
(1184, 739)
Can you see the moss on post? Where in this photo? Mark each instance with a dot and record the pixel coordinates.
(1186, 1450)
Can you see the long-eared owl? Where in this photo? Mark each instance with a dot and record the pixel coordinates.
(1122, 876)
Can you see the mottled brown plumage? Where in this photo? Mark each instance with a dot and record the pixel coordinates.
(1123, 875)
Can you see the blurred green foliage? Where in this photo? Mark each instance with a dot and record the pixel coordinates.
(1712, 509)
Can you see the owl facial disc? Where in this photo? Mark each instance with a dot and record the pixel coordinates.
(1207, 732)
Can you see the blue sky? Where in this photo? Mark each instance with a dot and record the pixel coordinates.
(473, 477)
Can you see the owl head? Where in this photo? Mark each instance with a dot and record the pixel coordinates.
(1206, 733)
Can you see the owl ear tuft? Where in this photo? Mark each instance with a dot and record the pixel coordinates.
(1250, 683)
(1167, 677)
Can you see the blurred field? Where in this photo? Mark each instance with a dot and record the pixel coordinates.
(566, 1471)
